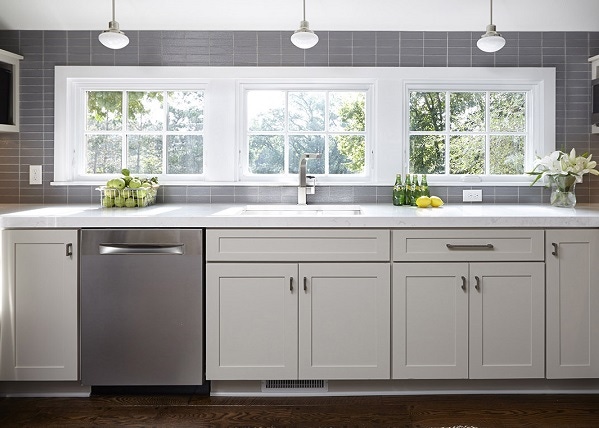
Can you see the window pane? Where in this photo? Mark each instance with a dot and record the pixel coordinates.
(144, 154)
(467, 111)
(508, 111)
(267, 154)
(146, 111)
(103, 154)
(104, 111)
(427, 154)
(300, 144)
(185, 111)
(347, 111)
(467, 154)
(266, 110)
(427, 111)
(306, 111)
(346, 154)
(185, 154)
(507, 154)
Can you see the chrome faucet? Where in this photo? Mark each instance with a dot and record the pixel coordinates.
(304, 187)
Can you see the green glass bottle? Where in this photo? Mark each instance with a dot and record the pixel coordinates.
(415, 190)
(408, 191)
(424, 190)
(398, 191)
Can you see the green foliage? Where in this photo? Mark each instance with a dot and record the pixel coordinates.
(145, 131)
(467, 119)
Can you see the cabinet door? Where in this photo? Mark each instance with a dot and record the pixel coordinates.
(572, 258)
(344, 321)
(507, 320)
(251, 321)
(430, 321)
(39, 334)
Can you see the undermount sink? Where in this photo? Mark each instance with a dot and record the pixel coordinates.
(302, 210)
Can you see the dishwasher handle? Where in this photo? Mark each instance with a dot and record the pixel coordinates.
(141, 249)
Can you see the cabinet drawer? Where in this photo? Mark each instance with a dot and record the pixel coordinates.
(297, 245)
(468, 245)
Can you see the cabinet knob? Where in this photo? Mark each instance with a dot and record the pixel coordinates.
(554, 252)
(477, 286)
(464, 283)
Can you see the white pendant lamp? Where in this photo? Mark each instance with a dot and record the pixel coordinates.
(491, 41)
(113, 38)
(304, 38)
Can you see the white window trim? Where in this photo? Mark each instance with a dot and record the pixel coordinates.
(364, 85)
(222, 136)
(538, 83)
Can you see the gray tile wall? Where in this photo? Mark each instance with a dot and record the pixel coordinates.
(568, 52)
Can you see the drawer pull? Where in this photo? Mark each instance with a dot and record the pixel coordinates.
(305, 284)
(469, 246)
(464, 283)
(554, 252)
(477, 286)
(291, 283)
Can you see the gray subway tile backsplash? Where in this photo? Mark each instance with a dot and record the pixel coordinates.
(566, 51)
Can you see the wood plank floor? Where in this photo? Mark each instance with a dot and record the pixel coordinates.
(481, 411)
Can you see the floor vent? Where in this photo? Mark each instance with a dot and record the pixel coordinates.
(298, 386)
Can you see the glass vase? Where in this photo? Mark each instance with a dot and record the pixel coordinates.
(563, 191)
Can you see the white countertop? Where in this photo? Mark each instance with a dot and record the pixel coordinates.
(229, 215)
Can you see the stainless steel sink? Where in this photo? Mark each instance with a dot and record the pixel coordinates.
(301, 210)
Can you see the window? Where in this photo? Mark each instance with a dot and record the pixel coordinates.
(247, 125)
(478, 132)
(284, 124)
(147, 132)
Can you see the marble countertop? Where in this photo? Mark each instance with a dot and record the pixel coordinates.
(229, 216)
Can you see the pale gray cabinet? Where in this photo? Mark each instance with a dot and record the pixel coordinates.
(464, 319)
(572, 258)
(314, 318)
(38, 330)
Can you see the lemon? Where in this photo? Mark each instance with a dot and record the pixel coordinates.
(436, 201)
(423, 201)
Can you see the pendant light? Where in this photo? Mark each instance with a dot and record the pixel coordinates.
(113, 38)
(304, 38)
(491, 41)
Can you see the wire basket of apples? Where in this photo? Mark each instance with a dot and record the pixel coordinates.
(128, 191)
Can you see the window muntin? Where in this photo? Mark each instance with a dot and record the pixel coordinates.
(483, 133)
(282, 124)
(149, 132)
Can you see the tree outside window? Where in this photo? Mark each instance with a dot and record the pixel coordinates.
(467, 132)
(147, 132)
(284, 124)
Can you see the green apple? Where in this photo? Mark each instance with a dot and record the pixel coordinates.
(130, 203)
(119, 201)
(111, 193)
(108, 202)
(141, 192)
(116, 183)
(127, 193)
(135, 183)
(125, 172)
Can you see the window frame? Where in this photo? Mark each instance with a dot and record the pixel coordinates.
(223, 104)
(537, 83)
(298, 86)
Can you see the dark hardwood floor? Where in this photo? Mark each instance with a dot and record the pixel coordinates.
(510, 411)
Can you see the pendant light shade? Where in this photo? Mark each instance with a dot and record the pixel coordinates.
(304, 38)
(113, 38)
(491, 41)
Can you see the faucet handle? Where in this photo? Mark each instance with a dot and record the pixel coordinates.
(310, 184)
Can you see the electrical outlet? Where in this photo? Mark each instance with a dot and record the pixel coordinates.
(472, 195)
(35, 174)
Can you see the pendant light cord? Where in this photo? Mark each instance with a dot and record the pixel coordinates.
(113, 14)
(304, 9)
(491, 12)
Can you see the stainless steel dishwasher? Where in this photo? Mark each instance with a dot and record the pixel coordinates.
(142, 307)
